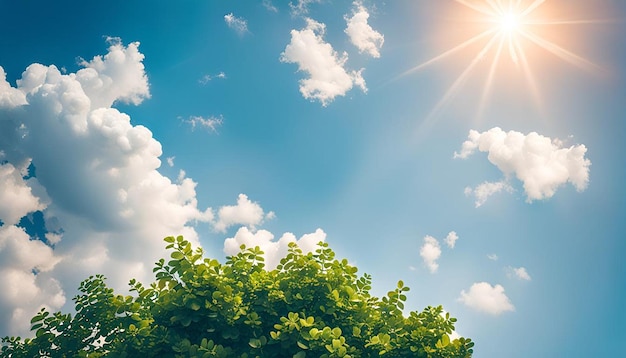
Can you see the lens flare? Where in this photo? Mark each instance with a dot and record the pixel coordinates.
(515, 28)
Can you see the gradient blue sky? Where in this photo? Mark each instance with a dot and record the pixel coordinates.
(374, 170)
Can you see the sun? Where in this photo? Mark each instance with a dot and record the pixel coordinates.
(515, 28)
(510, 22)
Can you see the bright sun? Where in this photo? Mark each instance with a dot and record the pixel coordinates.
(508, 26)
(510, 22)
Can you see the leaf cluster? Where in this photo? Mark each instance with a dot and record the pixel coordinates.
(311, 305)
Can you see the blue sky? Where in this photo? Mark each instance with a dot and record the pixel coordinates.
(265, 122)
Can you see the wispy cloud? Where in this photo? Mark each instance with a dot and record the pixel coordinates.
(486, 298)
(270, 6)
(301, 7)
(518, 272)
(492, 257)
(483, 191)
(209, 123)
(361, 34)
(239, 24)
(451, 239)
(207, 78)
(325, 67)
(542, 164)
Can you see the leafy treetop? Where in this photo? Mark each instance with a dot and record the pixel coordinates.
(311, 305)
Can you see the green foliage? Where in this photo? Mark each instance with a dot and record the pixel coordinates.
(311, 305)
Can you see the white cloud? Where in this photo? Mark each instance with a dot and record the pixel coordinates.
(118, 76)
(483, 191)
(207, 78)
(108, 207)
(518, 272)
(210, 123)
(274, 251)
(246, 212)
(486, 298)
(170, 161)
(430, 253)
(450, 240)
(239, 24)
(492, 257)
(301, 7)
(542, 164)
(361, 34)
(16, 196)
(269, 6)
(325, 67)
(26, 285)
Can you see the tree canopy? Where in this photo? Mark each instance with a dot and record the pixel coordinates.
(311, 305)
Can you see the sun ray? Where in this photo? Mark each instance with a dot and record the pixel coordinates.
(532, 7)
(490, 77)
(508, 26)
(561, 52)
(459, 81)
(475, 7)
(450, 51)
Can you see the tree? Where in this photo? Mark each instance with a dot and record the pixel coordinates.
(311, 305)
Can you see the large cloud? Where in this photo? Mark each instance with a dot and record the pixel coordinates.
(486, 298)
(541, 163)
(327, 76)
(274, 251)
(106, 206)
(361, 34)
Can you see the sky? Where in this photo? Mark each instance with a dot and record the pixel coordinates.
(471, 148)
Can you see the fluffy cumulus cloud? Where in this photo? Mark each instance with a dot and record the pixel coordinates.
(542, 164)
(274, 250)
(239, 24)
(328, 77)
(105, 205)
(430, 253)
(519, 273)
(26, 284)
(361, 34)
(486, 298)
(16, 196)
(246, 212)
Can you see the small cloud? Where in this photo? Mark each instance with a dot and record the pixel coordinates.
(301, 7)
(170, 161)
(486, 298)
(207, 78)
(412, 268)
(239, 24)
(269, 6)
(450, 240)
(361, 34)
(541, 163)
(325, 67)
(273, 250)
(492, 257)
(483, 191)
(246, 212)
(430, 253)
(210, 123)
(519, 273)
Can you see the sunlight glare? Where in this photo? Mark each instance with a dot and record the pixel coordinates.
(513, 26)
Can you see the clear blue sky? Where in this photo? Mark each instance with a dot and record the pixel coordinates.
(320, 114)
